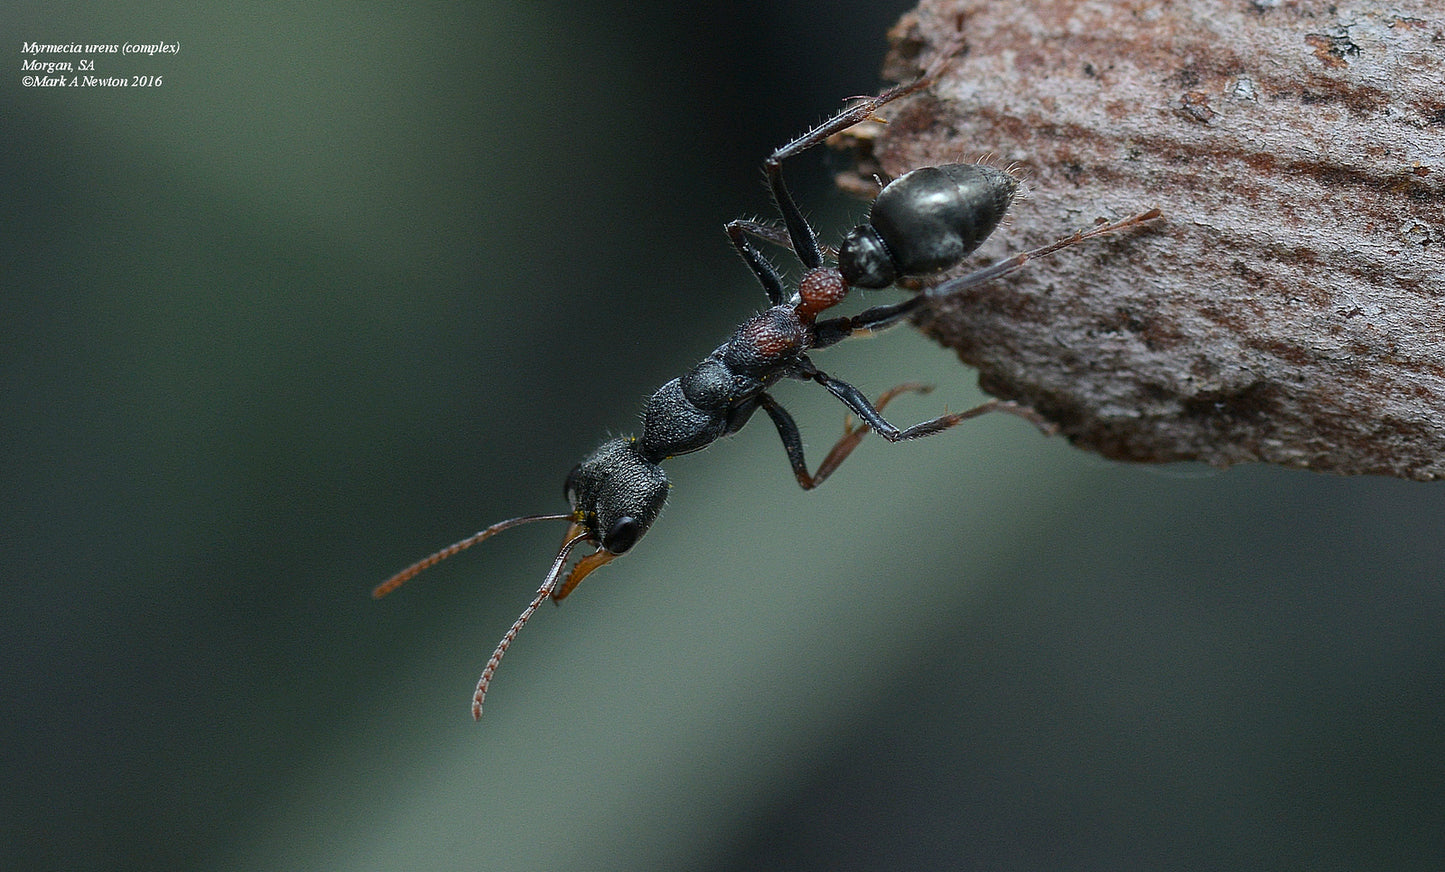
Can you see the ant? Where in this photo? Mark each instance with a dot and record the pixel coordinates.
(922, 223)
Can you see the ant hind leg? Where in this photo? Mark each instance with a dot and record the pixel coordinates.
(804, 239)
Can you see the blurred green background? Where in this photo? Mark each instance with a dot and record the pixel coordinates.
(361, 279)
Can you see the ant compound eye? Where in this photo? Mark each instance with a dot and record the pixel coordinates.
(569, 487)
(622, 535)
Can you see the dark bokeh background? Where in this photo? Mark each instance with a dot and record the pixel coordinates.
(357, 281)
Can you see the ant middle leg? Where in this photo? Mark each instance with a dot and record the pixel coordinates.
(852, 435)
(854, 431)
(873, 418)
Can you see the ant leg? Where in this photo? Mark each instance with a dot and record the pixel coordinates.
(767, 274)
(853, 434)
(792, 440)
(835, 330)
(872, 418)
(1003, 267)
(804, 238)
(762, 267)
(805, 241)
(766, 232)
(775, 234)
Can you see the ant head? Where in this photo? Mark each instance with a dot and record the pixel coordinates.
(615, 494)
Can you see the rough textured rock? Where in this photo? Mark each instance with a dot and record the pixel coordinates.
(1290, 307)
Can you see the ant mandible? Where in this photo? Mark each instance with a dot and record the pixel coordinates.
(921, 223)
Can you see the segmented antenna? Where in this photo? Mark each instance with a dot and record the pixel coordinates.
(542, 593)
(430, 560)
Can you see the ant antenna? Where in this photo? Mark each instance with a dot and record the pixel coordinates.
(431, 560)
(543, 592)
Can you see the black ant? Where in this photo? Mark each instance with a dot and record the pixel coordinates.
(922, 223)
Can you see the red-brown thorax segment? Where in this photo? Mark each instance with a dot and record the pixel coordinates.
(765, 338)
(821, 288)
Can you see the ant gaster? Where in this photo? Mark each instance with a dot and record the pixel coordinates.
(923, 222)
